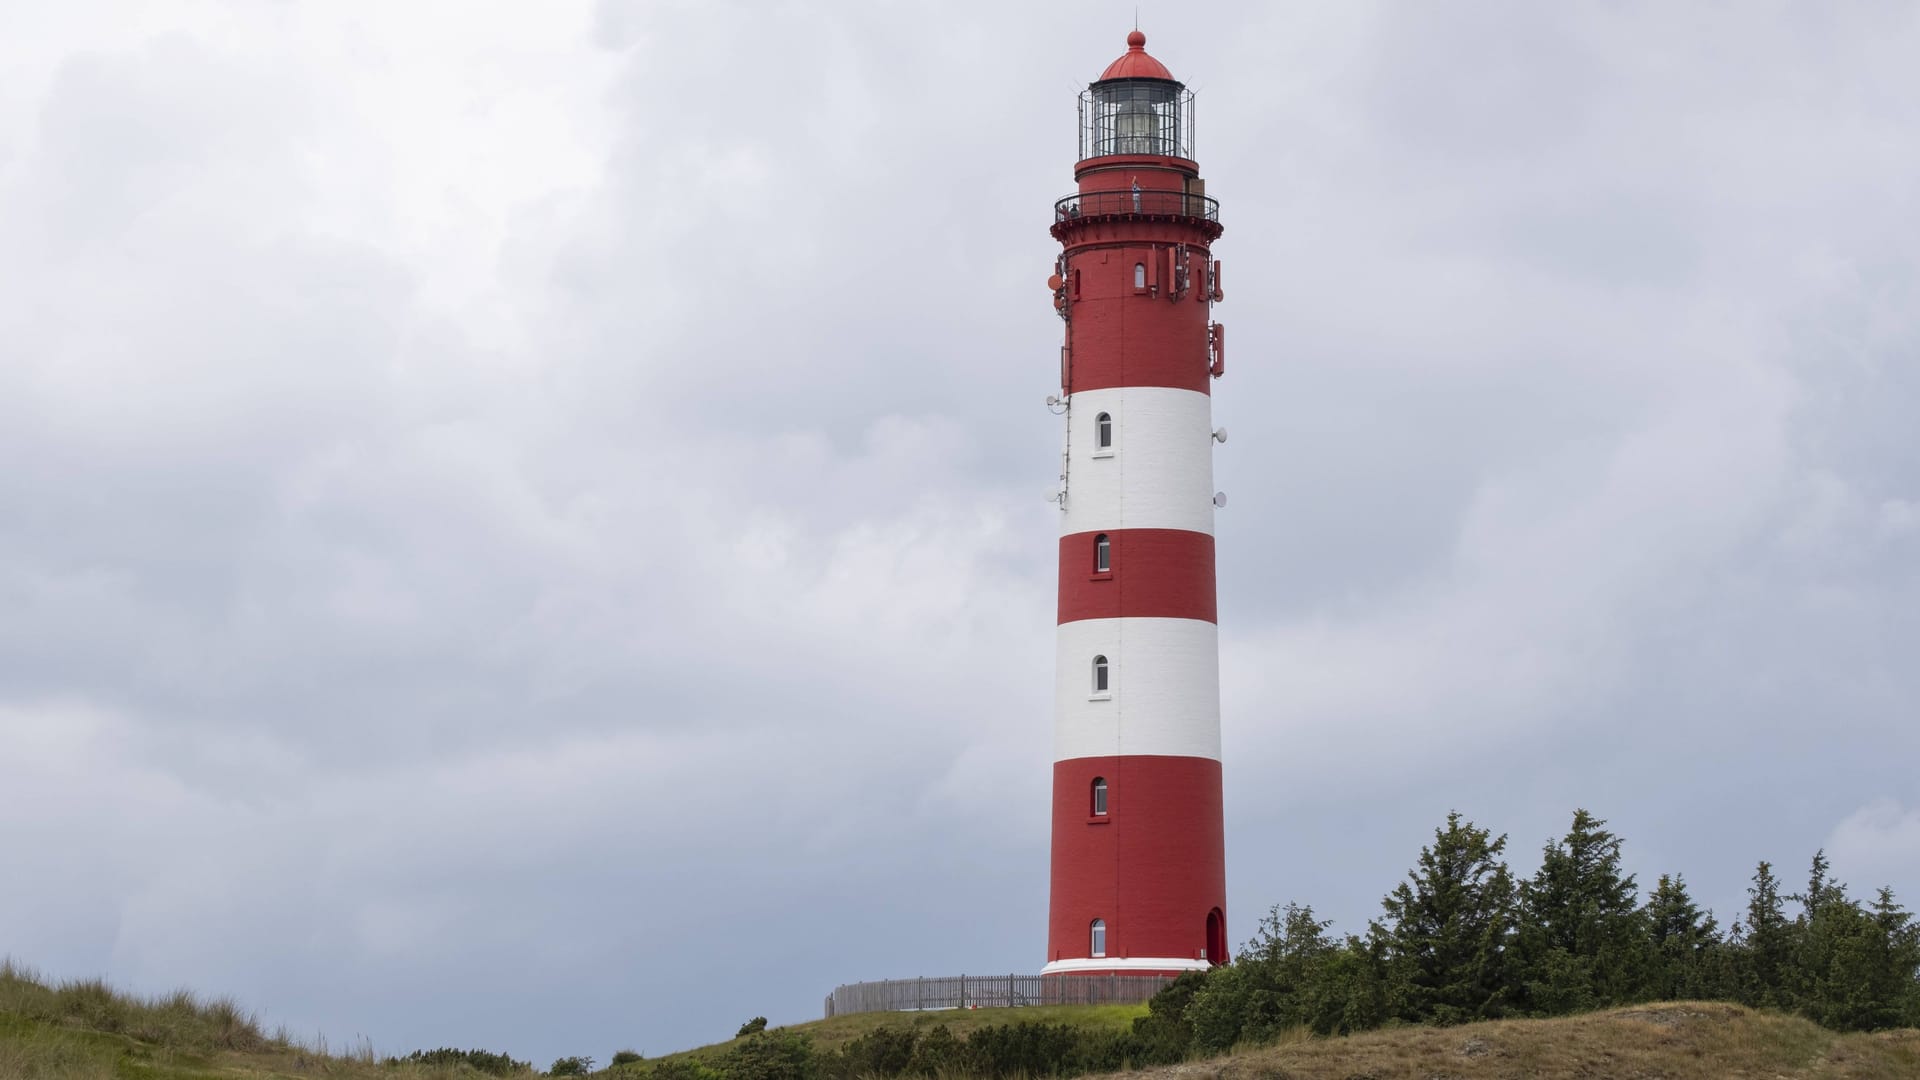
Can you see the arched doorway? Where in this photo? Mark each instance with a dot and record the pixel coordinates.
(1216, 937)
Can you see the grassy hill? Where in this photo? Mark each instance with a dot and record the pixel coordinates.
(1672, 1041)
(87, 1031)
(836, 1032)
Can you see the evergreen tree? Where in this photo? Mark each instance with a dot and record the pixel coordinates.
(1822, 890)
(1447, 929)
(1581, 942)
(1685, 943)
(1902, 965)
(1268, 990)
(1351, 992)
(1854, 968)
(1766, 971)
(1822, 936)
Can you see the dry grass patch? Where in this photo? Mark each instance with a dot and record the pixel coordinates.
(1672, 1041)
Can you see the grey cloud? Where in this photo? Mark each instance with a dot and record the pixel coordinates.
(592, 614)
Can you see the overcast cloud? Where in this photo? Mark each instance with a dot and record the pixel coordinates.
(521, 525)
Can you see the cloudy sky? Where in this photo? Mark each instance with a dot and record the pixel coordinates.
(522, 526)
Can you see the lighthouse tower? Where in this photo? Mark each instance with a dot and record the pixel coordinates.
(1139, 863)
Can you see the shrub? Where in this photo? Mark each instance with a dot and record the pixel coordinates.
(1163, 1036)
(479, 1060)
(777, 1055)
(752, 1027)
(626, 1057)
(571, 1066)
(938, 1052)
(680, 1069)
(1022, 1049)
(886, 1051)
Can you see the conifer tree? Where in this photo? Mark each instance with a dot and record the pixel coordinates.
(1685, 941)
(1767, 947)
(1826, 961)
(1822, 890)
(1902, 965)
(1447, 928)
(1580, 935)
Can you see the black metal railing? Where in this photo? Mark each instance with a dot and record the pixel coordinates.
(1128, 203)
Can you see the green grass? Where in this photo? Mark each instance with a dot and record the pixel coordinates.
(835, 1032)
(84, 1029)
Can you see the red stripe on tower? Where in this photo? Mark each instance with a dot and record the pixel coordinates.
(1139, 573)
(1139, 863)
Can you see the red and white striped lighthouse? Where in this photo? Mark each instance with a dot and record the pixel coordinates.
(1139, 863)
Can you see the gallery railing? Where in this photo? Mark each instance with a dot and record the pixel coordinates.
(1094, 204)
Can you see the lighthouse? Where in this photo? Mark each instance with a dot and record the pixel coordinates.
(1138, 860)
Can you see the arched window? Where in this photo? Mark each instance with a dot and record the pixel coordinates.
(1099, 674)
(1139, 275)
(1099, 796)
(1102, 554)
(1098, 946)
(1103, 432)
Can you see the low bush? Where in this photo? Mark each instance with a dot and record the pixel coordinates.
(478, 1060)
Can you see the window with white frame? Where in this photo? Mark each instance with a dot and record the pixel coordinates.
(1098, 946)
(1139, 275)
(1099, 796)
(1103, 432)
(1100, 680)
(1102, 554)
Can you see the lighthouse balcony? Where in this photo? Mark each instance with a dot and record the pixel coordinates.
(1128, 205)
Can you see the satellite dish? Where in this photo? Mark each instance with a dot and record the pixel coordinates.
(1052, 400)
(1220, 435)
(1053, 283)
(1220, 499)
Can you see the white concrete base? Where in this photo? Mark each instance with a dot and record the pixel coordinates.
(1118, 964)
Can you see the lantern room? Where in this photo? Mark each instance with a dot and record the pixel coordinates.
(1136, 107)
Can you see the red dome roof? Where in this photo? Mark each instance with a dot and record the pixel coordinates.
(1135, 63)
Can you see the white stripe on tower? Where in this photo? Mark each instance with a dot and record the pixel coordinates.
(1160, 472)
(1164, 676)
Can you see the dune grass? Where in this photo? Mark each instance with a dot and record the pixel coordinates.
(835, 1032)
(1672, 1041)
(84, 1029)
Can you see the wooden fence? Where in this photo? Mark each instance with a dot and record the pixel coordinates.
(992, 991)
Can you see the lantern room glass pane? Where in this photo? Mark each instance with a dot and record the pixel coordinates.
(1136, 116)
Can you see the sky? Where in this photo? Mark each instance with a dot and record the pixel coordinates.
(523, 526)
